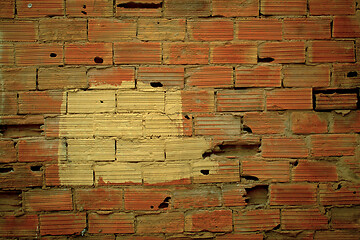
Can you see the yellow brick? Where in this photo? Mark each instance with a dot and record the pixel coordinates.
(173, 102)
(118, 173)
(70, 174)
(142, 150)
(132, 101)
(91, 102)
(163, 125)
(85, 150)
(118, 125)
(185, 148)
(72, 126)
(161, 29)
(166, 173)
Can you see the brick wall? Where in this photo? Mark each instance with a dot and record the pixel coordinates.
(179, 119)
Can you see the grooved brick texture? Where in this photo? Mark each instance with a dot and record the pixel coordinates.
(179, 119)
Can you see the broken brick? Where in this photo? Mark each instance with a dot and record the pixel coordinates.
(212, 221)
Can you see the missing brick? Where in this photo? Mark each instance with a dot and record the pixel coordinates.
(156, 84)
(165, 203)
(6, 169)
(53, 55)
(98, 60)
(352, 74)
(205, 172)
(35, 168)
(17, 131)
(257, 195)
(140, 5)
(265, 60)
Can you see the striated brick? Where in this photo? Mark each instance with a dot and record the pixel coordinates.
(334, 235)
(314, 172)
(20, 176)
(212, 221)
(211, 124)
(306, 76)
(300, 28)
(62, 78)
(69, 175)
(290, 98)
(240, 100)
(41, 150)
(293, 194)
(158, 77)
(89, 8)
(210, 77)
(133, 237)
(331, 7)
(9, 103)
(256, 220)
(7, 151)
(346, 124)
(111, 78)
(48, 200)
(146, 199)
(274, 171)
(188, 198)
(40, 8)
(131, 101)
(90, 150)
(118, 174)
(265, 122)
(342, 195)
(70, 126)
(98, 199)
(10, 31)
(7, 8)
(346, 218)
(7, 54)
(241, 236)
(13, 79)
(137, 53)
(196, 101)
(10, 201)
(111, 223)
(187, 8)
(259, 29)
(161, 29)
(139, 8)
(211, 30)
(111, 30)
(235, 8)
(145, 150)
(352, 163)
(346, 26)
(186, 53)
(22, 120)
(233, 53)
(62, 29)
(312, 219)
(285, 235)
(21, 226)
(234, 195)
(331, 51)
(39, 54)
(258, 76)
(91, 102)
(325, 101)
(124, 125)
(283, 7)
(88, 53)
(284, 147)
(62, 224)
(42, 102)
(282, 52)
(179, 149)
(166, 174)
(308, 122)
(172, 222)
(167, 125)
(333, 145)
(346, 75)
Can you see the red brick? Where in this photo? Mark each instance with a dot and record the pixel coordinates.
(197, 101)
(10, 31)
(211, 30)
(285, 235)
(331, 7)
(40, 8)
(294, 219)
(346, 75)
(290, 98)
(212, 221)
(7, 8)
(306, 76)
(111, 30)
(48, 200)
(284, 147)
(256, 220)
(62, 224)
(235, 8)
(283, 52)
(283, 7)
(98, 199)
(293, 194)
(340, 195)
(7, 54)
(337, 101)
(89, 8)
(265, 122)
(333, 145)
(217, 125)
(273, 171)
(240, 100)
(335, 235)
(10, 201)
(88, 53)
(146, 199)
(331, 51)
(308, 122)
(161, 223)
(234, 195)
(62, 78)
(20, 176)
(241, 236)
(187, 8)
(41, 102)
(234, 53)
(196, 198)
(39, 54)
(41, 150)
(302, 29)
(259, 29)
(114, 77)
(13, 79)
(346, 27)
(314, 172)
(57, 29)
(346, 124)
(219, 171)
(210, 77)
(169, 77)
(140, 53)
(258, 76)
(7, 151)
(155, 9)
(345, 218)
(22, 226)
(9, 103)
(186, 53)
(111, 223)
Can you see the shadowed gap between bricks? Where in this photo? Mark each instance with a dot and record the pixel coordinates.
(140, 5)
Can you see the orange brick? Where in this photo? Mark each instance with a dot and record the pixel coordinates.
(216, 171)
(111, 223)
(41, 102)
(22, 226)
(346, 27)
(346, 124)
(140, 53)
(48, 200)
(342, 195)
(88, 53)
(345, 218)
(111, 30)
(40, 8)
(235, 8)
(62, 224)
(331, 51)
(324, 101)
(7, 8)
(334, 235)
(20, 176)
(274, 171)
(210, 77)
(258, 76)
(57, 29)
(331, 7)
(300, 28)
(139, 8)
(293, 219)
(283, 7)
(196, 198)
(282, 52)
(62, 78)
(7, 54)
(187, 8)
(9, 103)
(333, 145)
(282, 99)
(293, 194)
(197, 101)
(234, 53)
(308, 122)
(234, 195)
(346, 75)
(241, 236)
(41, 150)
(39, 54)
(306, 76)
(314, 172)
(146, 199)
(168, 77)
(89, 8)
(172, 222)
(13, 79)
(265, 122)
(7, 151)
(259, 29)
(10, 31)
(240, 100)
(256, 220)
(98, 199)
(211, 30)
(115, 77)
(161, 29)
(217, 125)
(284, 147)
(186, 53)
(212, 221)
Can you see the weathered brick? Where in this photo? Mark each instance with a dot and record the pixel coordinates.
(88, 53)
(187, 8)
(158, 77)
(290, 98)
(161, 223)
(353, 164)
(161, 29)
(195, 147)
(210, 77)
(118, 125)
(90, 150)
(10, 31)
(146, 199)
(10, 201)
(234, 195)
(9, 103)
(159, 174)
(111, 223)
(98, 199)
(89, 8)
(109, 78)
(13, 79)
(293, 219)
(274, 171)
(314, 172)
(41, 8)
(331, 51)
(211, 124)
(69, 175)
(259, 29)
(334, 235)
(140, 53)
(340, 195)
(62, 78)
(241, 236)
(346, 26)
(186, 53)
(326, 101)
(144, 150)
(309, 122)
(42, 102)
(333, 145)
(331, 7)
(192, 101)
(39, 54)
(211, 30)
(188, 198)
(48, 200)
(300, 28)
(212, 221)
(22, 226)
(345, 218)
(284, 147)
(7, 8)
(293, 194)
(133, 237)
(306, 76)
(131, 101)
(256, 220)
(235, 8)
(282, 52)
(41, 150)
(62, 29)
(283, 235)
(265, 122)
(233, 53)
(20, 176)
(96, 101)
(283, 7)
(259, 76)
(62, 224)
(167, 125)
(141, 8)
(240, 100)
(7, 151)
(118, 174)
(22, 120)
(111, 30)
(7, 54)
(346, 75)
(79, 126)
(220, 171)
(346, 124)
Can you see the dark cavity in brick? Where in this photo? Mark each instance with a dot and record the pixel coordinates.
(84, 6)
(205, 172)
(352, 74)
(6, 169)
(247, 129)
(267, 59)
(165, 203)
(53, 55)
(248, 177)
(84, 12)
(16, 131)
(140, 5)
(156, 84)
(257, 195)
(35, 168)
(98, 60)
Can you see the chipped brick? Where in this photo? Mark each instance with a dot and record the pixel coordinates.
(234, 195)
(346, 75)
(145, 8)
(20, 176)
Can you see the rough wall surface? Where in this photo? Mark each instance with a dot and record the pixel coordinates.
(179, 119)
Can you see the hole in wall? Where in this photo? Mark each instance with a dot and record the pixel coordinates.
(156, 84)
(247, 129)
(98, 60)
(205, 172)
(257, 195)
(6, 169)
(84, 6)
(83, 12)
(352, 74)
(140, 5)
(16, 131)
(101, 101)
(151, 207)
(266, 60)
(187, 117)
(53, 55)
(165, 203)
(339, 186)
(248, 177)
(35, 168)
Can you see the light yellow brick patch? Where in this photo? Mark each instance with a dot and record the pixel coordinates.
(91, 102)
(163, 125)
(75, 174)
(118, 173)
(178, 149)
(158, 173)
(173, 102)
(161, 29)
(124, 125)
(132, 101)
(73, 126)
(89, 150)
(142, 150)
